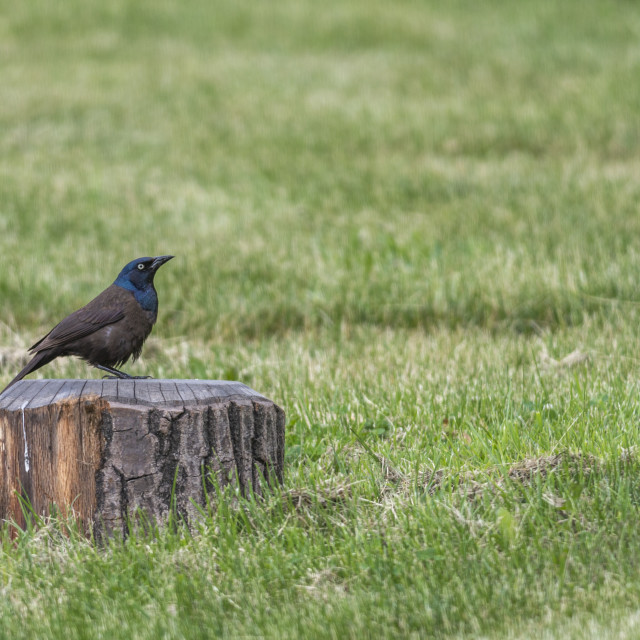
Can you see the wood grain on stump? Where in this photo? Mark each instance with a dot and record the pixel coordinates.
(111, 449)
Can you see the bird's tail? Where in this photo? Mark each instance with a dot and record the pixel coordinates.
(39, 360)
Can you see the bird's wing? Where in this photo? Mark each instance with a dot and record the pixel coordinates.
(79, 324)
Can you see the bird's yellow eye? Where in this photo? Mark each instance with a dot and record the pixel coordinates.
(140, 266)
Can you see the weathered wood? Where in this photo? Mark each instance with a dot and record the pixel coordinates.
(112, 449)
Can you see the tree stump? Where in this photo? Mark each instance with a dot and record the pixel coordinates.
(112, 449)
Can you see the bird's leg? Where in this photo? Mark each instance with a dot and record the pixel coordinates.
(115, 373)
(119, 374)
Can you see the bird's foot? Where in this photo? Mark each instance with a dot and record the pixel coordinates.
(117, 374)
(127, 377)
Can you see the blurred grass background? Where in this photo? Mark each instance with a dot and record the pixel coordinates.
(394, 219)
(380, 163)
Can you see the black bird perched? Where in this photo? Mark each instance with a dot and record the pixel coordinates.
(111, 328)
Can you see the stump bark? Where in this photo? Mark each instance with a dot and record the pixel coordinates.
(113, 449)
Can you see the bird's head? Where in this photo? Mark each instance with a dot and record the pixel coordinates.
(138, 274)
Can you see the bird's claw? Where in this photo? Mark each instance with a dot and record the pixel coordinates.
(127, 377)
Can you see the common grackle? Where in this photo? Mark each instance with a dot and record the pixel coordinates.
(109, 329)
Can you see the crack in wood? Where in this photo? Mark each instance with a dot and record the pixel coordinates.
(124, 500)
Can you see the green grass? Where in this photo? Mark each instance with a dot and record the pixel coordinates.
(391, 218)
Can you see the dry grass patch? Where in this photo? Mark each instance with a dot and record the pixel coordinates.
(472, 484)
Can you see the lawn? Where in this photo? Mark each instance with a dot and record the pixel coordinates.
(395, 219)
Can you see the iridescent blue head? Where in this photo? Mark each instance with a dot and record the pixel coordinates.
(137, 277)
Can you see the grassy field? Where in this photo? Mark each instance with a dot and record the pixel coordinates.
(395, 219)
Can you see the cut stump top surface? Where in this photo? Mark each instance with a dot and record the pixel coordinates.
(29, 394)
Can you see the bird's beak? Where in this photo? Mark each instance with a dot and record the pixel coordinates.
(159, 261)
